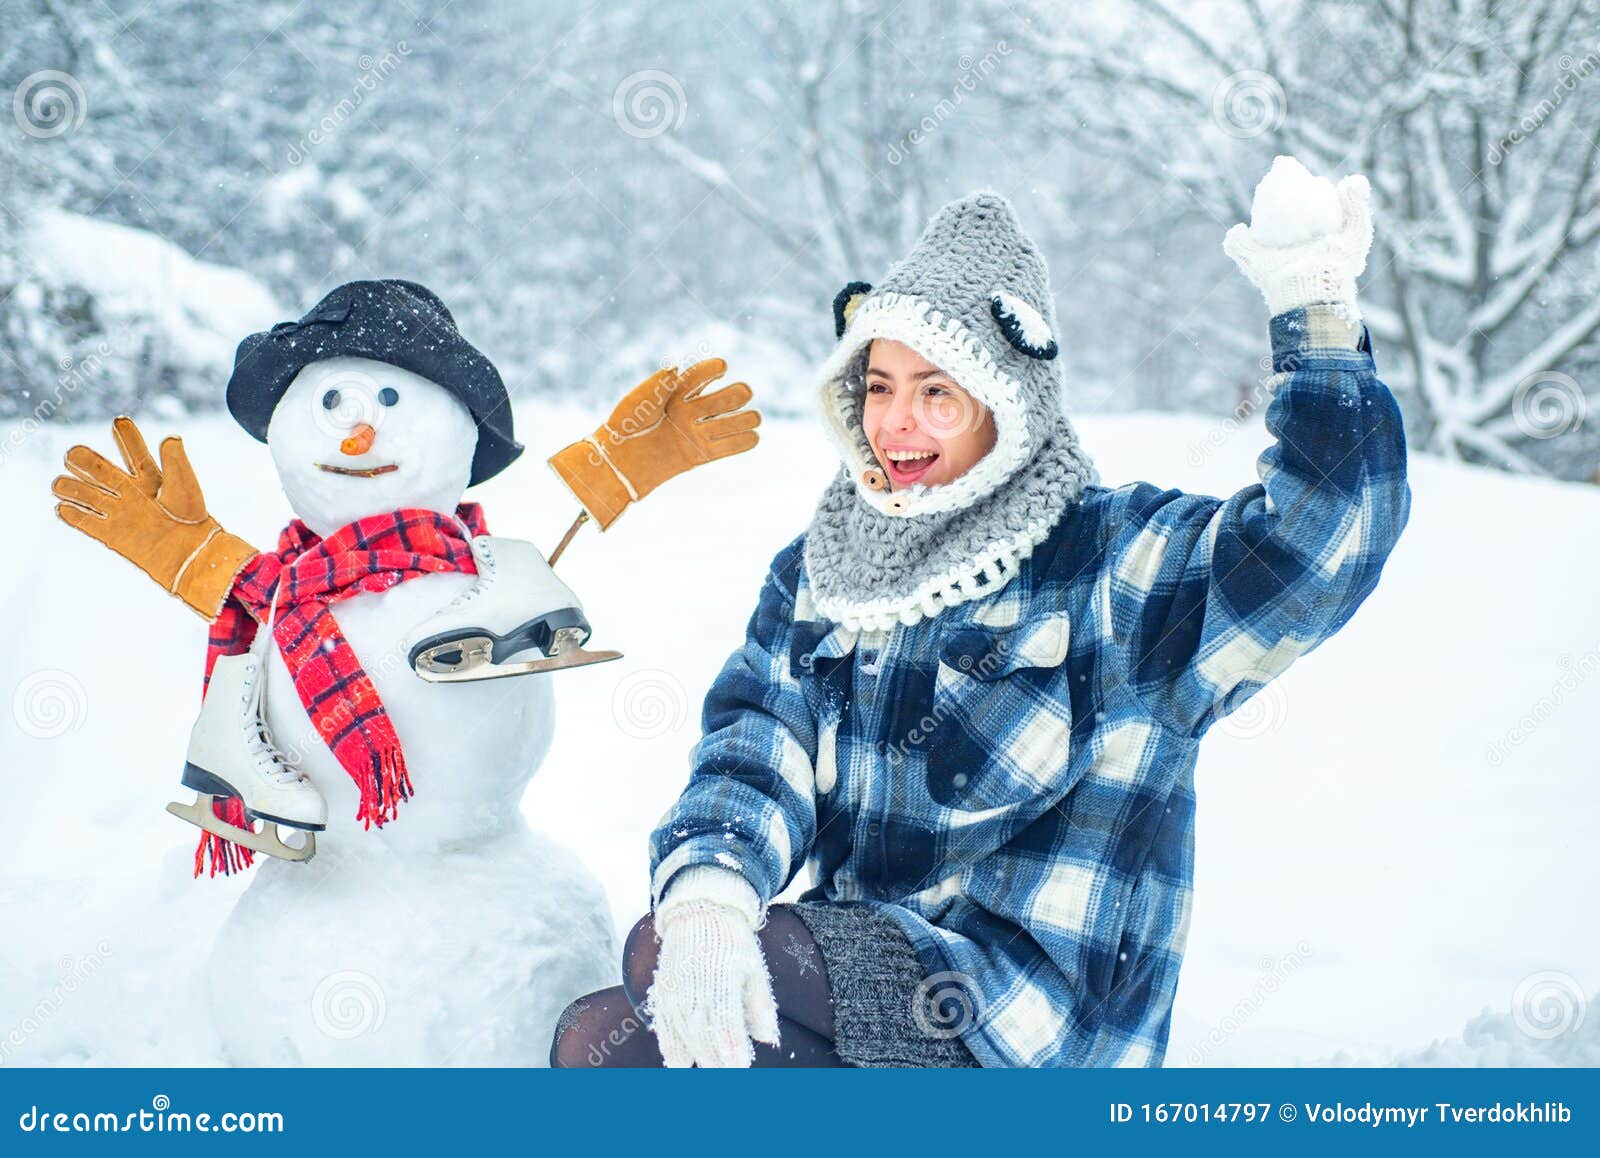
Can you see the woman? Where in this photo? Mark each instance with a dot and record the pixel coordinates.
(972, 693)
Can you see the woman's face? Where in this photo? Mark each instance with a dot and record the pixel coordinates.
(922, 426)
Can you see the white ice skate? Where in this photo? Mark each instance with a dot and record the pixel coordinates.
(516, 605)
(231, 753)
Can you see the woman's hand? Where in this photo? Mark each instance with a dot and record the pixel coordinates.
(712, 993)
(1307, 240)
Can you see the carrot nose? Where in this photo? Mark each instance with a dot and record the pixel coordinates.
(360, 440)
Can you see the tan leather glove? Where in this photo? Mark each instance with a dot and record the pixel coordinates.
(155, 517)
(663, 427)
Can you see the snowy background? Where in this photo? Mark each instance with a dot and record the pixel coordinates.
(1395, 841)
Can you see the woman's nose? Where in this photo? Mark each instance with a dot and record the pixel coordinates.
(902, 411)
(360, 440)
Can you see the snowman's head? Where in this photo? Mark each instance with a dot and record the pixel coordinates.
(353, 437)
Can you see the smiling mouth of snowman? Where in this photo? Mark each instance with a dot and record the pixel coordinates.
(359, 471)
(907, 466)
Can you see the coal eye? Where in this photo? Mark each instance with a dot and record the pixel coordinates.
(388, 396)
(330, 400)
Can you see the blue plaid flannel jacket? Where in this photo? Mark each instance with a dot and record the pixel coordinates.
(1013, 780)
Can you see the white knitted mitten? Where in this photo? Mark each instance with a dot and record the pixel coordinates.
(712, 993)
(1307, 241)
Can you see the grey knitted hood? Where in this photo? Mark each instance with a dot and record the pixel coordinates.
(972, 297)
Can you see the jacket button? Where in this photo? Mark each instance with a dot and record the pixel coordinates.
(874, 828)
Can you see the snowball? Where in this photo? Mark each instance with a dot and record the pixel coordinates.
(1291, 206)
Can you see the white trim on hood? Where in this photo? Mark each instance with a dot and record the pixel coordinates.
(947, 343)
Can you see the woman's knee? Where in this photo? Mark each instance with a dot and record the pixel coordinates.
(601, 1030)
(640, 953)
(569, 1048)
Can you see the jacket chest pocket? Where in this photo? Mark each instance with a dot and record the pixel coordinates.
(819, 660)
(1002, 712)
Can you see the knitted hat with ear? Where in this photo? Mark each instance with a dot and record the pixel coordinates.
(972, 297)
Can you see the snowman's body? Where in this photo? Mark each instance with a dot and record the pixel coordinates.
(471, 747)
(453, 934)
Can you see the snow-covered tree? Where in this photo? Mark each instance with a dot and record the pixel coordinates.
(1478, 122)
(833, 146)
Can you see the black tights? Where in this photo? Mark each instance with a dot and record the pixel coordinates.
(607, 1028)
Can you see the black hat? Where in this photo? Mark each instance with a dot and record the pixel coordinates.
(398, 322)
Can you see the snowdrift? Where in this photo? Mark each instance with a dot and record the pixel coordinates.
(1395, 841)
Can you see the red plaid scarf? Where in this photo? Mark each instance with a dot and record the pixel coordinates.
(308, 573)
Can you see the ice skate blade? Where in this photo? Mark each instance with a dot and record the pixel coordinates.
(476, 665)
(468, 656)
(265, 842)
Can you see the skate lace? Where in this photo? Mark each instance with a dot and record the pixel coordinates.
(283, 767)
(483, 555)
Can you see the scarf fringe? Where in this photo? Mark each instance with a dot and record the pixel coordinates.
(389, 784)
(226, 857)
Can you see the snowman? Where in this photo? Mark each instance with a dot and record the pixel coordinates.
(354, 687)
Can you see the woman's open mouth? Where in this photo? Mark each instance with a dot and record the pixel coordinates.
(359, 471)
(907, 466)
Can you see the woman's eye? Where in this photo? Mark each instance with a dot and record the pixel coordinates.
(330, 400)
(388, 396)
(934, 388)
(877, 388)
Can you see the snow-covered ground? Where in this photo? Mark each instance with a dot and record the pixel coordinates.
(1396, 856)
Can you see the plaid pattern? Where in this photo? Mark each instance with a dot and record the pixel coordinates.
(307, 574)
(1013, 780)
